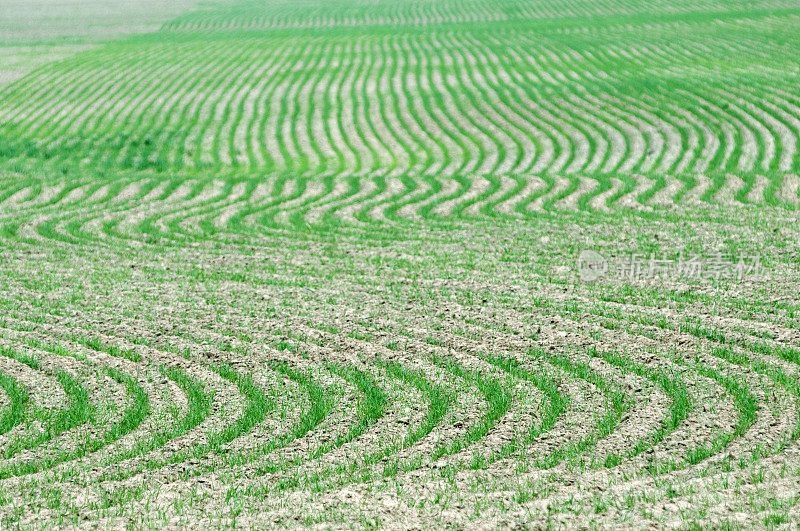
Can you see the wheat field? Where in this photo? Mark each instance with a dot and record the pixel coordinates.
(413, 264)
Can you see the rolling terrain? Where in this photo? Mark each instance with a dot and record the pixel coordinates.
(291, 264)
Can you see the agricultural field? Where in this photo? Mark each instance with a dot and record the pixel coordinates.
(409, 264)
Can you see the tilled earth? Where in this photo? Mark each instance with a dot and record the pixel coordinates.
(401, 372)
(413, 264)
